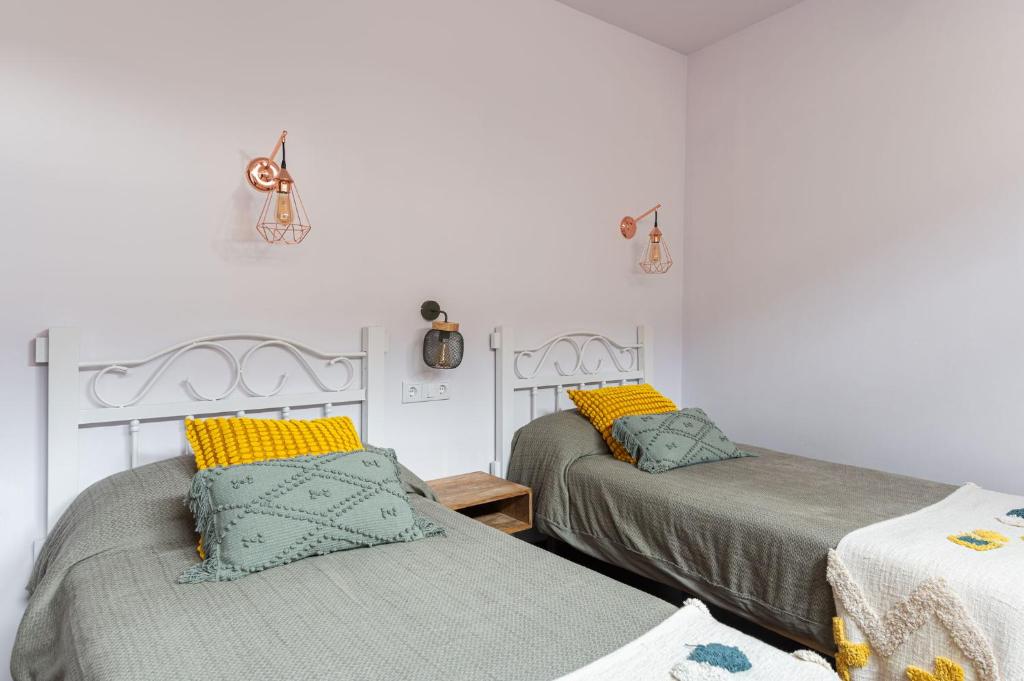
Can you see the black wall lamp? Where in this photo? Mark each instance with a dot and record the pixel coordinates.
(443, 344)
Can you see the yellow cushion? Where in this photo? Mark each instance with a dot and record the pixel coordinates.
(604, 405)
(229, 441)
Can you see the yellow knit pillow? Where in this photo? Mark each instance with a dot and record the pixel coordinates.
(229, 441)
(604, 405)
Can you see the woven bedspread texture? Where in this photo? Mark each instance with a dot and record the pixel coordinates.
(475, 605)
(751, 534)
(938, 589)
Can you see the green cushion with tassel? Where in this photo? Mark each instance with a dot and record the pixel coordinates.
(261, 515)
(661, 442)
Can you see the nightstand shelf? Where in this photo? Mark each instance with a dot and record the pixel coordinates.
(492, 501)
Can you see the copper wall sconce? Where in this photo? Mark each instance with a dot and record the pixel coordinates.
(656, 258)
(283, 219)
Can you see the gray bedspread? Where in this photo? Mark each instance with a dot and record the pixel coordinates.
(751, 535)
(474, 605)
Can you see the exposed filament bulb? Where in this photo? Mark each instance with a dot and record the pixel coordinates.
(284, 202)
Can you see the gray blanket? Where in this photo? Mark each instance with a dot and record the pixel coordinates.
(751, 535)
(474, 605)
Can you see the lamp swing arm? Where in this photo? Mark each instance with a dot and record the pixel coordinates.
(278, 145)
(640, 217)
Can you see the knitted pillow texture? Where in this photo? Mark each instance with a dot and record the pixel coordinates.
(231, 441)
(269, 513)
(604, 405)
(661, 442)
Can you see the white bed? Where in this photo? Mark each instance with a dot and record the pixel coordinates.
(751, 535)
(105, 604)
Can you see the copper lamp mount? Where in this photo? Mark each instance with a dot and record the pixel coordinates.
(262, 172)
(628, 224)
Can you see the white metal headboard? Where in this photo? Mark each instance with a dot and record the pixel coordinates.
(69, 408)
(529, 369)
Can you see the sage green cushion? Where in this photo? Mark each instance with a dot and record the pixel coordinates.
(261, 515)
(661, 442)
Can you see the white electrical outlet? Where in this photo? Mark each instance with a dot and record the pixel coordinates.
(441, 390)
(412, 392)
(425, 392)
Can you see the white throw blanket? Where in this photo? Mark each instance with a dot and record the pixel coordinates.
(936, 595)
(663, 653)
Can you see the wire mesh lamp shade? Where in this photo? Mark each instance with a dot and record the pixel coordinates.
(443, 345)
(281, 223)
(442, 348)
(656, 258)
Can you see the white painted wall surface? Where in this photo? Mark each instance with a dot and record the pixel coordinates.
(854, 249)
(474, 151)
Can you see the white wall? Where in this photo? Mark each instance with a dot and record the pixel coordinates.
(854, 249)
(478, 152)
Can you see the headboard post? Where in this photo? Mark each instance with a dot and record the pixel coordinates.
(62, 356)
(587, 361)
(503, 343)
(645, 339)
(375, 345)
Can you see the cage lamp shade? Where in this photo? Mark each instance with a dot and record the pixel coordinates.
(443, 344)
(656, 258)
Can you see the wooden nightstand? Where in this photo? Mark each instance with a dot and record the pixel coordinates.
(493, 501)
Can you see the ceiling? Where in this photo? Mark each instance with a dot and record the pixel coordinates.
(682, 25)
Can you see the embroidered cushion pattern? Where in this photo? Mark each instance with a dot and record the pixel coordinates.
(979, 540)
(729, 658)
(1014, 517)
(915, 596)
(932, 598)
(230, 441)
(849, 655)
(945, 670)
(269, 513)
(661, 442)
(604, 405)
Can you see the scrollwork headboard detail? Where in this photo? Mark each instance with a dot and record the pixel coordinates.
(596, 361)
(69, 407)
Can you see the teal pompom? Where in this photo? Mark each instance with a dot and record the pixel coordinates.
(729, 658)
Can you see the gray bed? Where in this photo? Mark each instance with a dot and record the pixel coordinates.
(750, 535)
(474, 605)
